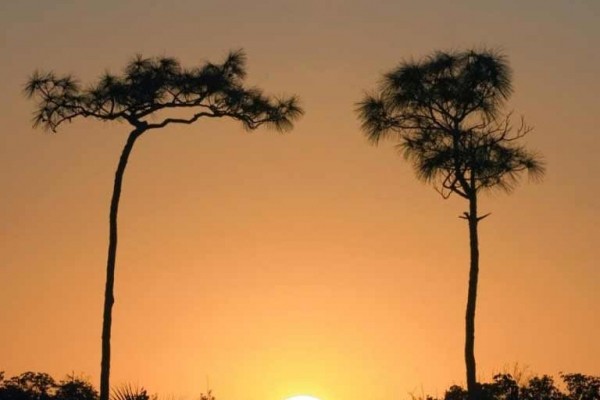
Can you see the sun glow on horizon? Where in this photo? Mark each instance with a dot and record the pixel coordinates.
(302, 397)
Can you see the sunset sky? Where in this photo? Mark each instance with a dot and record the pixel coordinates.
(266, 265)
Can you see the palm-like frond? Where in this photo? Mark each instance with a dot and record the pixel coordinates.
(129, 392)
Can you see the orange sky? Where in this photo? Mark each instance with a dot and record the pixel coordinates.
(309, 262)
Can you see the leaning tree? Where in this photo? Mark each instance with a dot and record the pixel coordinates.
(447, 114)
(154, 93)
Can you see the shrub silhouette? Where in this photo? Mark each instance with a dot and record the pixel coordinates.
(41, 386)
(582, 387)
(28, 386)
(37, 386)
(74, 388)
(505, 387)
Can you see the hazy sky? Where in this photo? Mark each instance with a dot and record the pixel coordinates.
(309, 262)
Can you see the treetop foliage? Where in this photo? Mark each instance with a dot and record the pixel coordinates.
(447, 111)
(460, 83)
(149, 85)
(442, 90)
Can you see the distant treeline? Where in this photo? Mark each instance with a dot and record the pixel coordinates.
(506, 387)
(41, 386)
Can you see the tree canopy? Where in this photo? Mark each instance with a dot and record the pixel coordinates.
(150, 85)
(447, 111)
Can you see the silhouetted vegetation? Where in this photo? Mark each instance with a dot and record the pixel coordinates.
(446, 112)
(145, 96)
(128, 392)
(505, 387)
(41, 386)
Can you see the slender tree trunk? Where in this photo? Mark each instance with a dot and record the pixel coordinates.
(473, 220)
(110, 266)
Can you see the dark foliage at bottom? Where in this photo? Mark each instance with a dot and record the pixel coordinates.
(505, 387)
(41, 386)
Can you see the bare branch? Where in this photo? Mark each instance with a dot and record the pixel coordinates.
(187, 121)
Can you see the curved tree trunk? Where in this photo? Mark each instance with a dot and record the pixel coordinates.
(473, 220)
(110, 266)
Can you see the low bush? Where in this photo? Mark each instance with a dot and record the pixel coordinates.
(505, 387)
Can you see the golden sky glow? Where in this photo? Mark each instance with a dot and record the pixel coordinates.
(310, 262)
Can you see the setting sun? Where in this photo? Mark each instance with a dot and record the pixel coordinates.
(302, 397)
